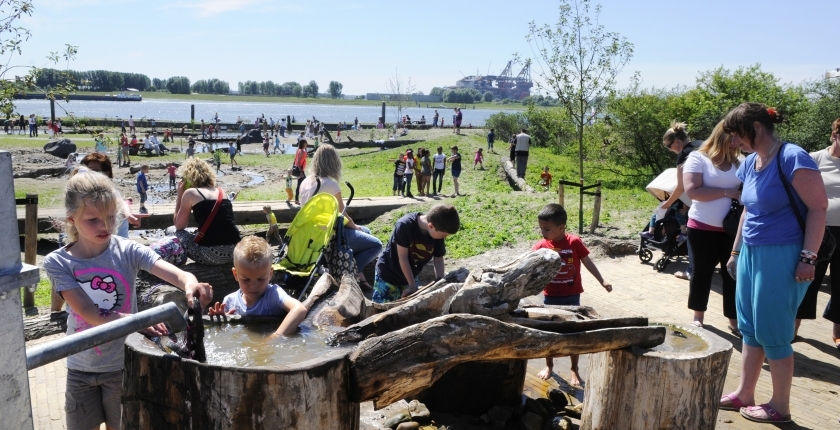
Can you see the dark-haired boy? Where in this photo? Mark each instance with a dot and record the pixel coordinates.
(566, 287)
(417, 239)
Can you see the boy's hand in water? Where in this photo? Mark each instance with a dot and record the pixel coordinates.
(219, 309)
(156, 330)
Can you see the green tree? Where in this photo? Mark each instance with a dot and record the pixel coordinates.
(579, 62)
(313, 89)
(488, 96)
(811, 128)
(335, 89)
(178, 85)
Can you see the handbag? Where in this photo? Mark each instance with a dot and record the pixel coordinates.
(829, 243)
(733, 218)
(209, 220)
(295, 171)
(339, 256)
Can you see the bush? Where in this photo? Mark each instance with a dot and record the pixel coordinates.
(506, 124)
(488, 96)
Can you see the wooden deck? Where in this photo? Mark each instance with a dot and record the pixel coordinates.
(245, 213)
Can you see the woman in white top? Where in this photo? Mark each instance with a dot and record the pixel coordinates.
(828, 160)
(326, 166)
(709, 175)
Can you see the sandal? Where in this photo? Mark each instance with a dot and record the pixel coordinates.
(836, 342)
(697, 324)
(735, 404)
(764, 414)
(736, 332)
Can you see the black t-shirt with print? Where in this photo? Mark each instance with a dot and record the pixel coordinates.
(421, 249)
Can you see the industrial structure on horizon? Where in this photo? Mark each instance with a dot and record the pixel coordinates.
(504, 85)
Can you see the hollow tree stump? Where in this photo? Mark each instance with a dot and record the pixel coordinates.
(637, 388)
(475, 387)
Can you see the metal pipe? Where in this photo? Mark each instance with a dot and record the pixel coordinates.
(56, 350)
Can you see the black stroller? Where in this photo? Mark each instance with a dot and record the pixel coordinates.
(666, 237)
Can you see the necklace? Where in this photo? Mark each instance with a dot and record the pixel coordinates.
(770, 155)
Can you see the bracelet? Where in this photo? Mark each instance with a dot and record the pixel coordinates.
(724, 192)
(812, 262)
(808, 254)
(734, 252)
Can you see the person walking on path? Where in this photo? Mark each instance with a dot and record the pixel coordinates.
(455, 163)
(710, 181)
(131, 128)
(828, 161)
(33, 126)
(300, 163)
(491, 138)
(410, 166)
(773, 257)
(458, 118)
(523, 145)
(435, 119)
(440, 168)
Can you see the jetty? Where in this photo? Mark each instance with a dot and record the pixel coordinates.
(244, 212)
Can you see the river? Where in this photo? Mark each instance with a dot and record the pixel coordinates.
(177, 110)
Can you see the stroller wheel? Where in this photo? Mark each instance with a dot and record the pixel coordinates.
(661, 264)
(645, 255)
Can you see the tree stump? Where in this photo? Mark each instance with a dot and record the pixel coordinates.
(163, 391)
(637, 388)
(475, 387)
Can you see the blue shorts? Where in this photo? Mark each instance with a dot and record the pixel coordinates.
(456, 173)
(384, 292)
(562, 300)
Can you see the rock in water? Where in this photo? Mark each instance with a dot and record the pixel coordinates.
(532, 421)
(558, 399)
(410, 425)
(419, 411)
(394, 421)
(499, 415)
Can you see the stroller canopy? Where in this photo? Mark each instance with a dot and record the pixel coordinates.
(666, 182)
(309, 234)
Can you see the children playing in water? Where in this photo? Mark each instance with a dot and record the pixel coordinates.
(256, 295)
(566, 287)
(171, 169)
(417, 239)
(273, 233)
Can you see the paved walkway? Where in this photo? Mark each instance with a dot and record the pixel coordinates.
(638, 290)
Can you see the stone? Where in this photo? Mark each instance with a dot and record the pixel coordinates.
(419, 411)
(535, 407)
(532, 421)
(409, 425)
(394, 421)
(499, 415)
(561, 423)
(558, 399)
(574, 411)
(547, 405)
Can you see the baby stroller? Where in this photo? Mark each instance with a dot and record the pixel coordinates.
(317, 228)
(666, 229)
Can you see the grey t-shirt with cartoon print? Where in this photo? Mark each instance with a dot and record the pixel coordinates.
(108, 279)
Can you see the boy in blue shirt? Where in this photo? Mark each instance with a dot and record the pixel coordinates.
(252, 270)
(142, 186)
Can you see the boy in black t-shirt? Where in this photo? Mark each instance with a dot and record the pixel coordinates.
(417, 239)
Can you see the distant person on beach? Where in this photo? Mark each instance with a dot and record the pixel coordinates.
(283, 127)
(479, 159)
(142, 186)
(523, 146)
(22, 123)
(435, 119)
(241, 128)
(266, 140)
(122, 125)
(440, 168)
(171, 170)
(277, 144)
(300, 163)
(131, 128)
(458, 118)
(232, 154)
(217, 159)
(33, 126)
(491, 138)
(454, 161)
(190, 152)
(124, 148)
(425, 172)
(203, 130)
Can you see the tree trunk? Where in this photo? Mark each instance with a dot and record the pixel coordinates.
(639, 389)
(476, 386)
(162, 392)
(345, 307)
(401, 363)
(45, 325)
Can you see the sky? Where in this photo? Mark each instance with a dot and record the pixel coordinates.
(364, 43)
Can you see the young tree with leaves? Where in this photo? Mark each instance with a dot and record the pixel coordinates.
(579, 62)
(335, 89)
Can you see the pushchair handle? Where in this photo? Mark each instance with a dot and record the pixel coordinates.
(350, 199)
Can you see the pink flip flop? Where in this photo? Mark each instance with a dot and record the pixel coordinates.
(764, 414)
(735, 405)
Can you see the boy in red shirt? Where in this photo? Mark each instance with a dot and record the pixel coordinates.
(171, 169)
(566, 287)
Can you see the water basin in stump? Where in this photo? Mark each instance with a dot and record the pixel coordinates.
(242, 345)
(680, 340)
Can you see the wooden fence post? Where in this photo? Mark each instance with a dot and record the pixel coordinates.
(561, 195)
(30, 242)
(596, 212)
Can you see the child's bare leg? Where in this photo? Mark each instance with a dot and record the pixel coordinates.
(546, 373)
(575, 379)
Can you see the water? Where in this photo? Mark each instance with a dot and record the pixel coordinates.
(679, 340)
(177, 110)
(240, 345)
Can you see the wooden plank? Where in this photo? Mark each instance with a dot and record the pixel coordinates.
(245, 213)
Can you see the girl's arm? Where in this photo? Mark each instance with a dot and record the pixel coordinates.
(590, 266)
(296, 314)
(84, 307)
(809, 186)
(693, 184)
(732, 264)
(183, 207)
(184, 280)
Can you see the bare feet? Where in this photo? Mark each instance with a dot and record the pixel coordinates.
(574, 380)
(545, 374)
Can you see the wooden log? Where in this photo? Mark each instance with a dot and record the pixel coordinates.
(555, 313)
(165, 392)
(44, 325)
(325, 285)
(31, 243)
(577, 326)
(427, 306)
(457, 276)
(496, 291)
(643, 389)
(390, 367)
(476, 386)
(344, 308)
(510, 170)
(596, 211)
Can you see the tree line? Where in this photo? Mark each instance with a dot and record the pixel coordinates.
(626, 136)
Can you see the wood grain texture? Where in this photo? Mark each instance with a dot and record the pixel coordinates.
(639, 389)
(344, 308)
(401, 363)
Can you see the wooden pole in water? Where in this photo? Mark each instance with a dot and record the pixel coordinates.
(596, 212)
(561, 195)
(30, 242)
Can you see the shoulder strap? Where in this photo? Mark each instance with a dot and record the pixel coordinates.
(210, 218)
(787, 189)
